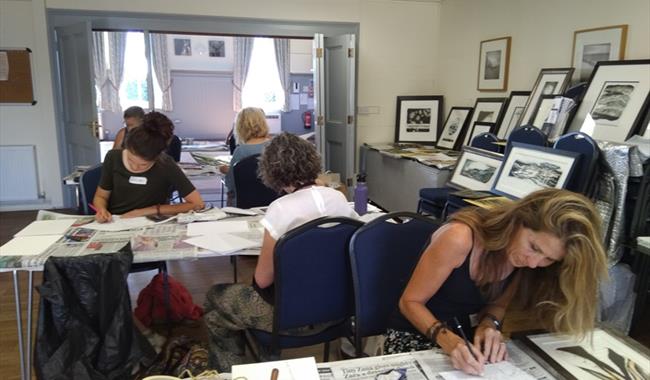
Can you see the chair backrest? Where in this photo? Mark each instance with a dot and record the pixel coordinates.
(527, 134)
(249, 189)
(485, 141)
(174, 148)
(312, 277)
(383, 254)
(579, 142)
(88, 183)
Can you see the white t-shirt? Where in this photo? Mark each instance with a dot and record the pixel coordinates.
(302, 206)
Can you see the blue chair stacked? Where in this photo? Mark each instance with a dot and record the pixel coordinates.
(312, 285)
(584, 172)
(486, 141)
(383, 254)
(527, 134)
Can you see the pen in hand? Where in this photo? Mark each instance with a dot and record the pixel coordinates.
(275, 373)
(462, 334)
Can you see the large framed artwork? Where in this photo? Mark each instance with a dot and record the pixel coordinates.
(514, 109)
(549, 82)
(591, 46)
(486, 110)
(612, 108)
(493, 64)
(456, 123)
(476, 169)
(418, 118)
(603, 355)
(527, 168)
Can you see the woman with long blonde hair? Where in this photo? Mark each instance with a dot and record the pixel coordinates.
(545, 249)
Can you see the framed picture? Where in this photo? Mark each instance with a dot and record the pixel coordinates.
(493, 64)
(514, 108)
(456, 123)
(591, 46)
(478, 128)
(544, 107)
(527, 168)
(217, 48)
(606, 355)
(476, 169)
(617, 94)
(549, 82)
(418, 118)
(182, 46)
(486, 110)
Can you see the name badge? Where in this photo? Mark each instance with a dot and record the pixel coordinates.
(138, 180)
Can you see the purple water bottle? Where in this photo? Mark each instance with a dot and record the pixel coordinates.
(361, 195)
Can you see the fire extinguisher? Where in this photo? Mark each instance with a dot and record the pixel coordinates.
(306, 118)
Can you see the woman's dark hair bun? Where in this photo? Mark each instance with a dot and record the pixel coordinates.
(151, 138)
(156, 122)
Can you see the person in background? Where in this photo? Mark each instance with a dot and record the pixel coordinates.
(137, 180)
(545, 248)
(132, 118)
(288, 164)
(253, 135)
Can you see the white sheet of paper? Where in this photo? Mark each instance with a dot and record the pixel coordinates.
(212, 228)
(238, 211)
(222, 243)
(46, 227)
(498, 371)
(28, 245)
(121, 224)
(293, 369)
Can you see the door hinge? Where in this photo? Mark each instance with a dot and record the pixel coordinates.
(319, 52)
(350, 52)
(320, 120)
(350, 119)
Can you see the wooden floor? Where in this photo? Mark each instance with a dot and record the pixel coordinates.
(196, 275)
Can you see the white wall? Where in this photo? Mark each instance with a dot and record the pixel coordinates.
(542, 36)
(22, 24)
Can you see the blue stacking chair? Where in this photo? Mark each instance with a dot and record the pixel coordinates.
(383, 254)
(583, 177)
(312, 285)
(249, 189)
(527, 134)
(486, 141)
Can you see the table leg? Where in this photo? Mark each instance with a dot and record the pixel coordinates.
(222, 188)
(19, 322)
(30, 293)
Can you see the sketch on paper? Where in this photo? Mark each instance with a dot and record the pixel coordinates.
(540, 173)
(485, 116)
(478, 171)
(492, 64)
(549, 88)
(611, 102)
(418, 120)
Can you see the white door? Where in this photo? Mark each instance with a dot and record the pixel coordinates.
(334, 92)
(79, 110)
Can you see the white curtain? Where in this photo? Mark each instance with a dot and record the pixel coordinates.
(243, 47)
(99, 64)
(161, 68)
(282, 61)
(114, 72)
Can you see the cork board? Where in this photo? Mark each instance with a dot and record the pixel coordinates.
(16, 76)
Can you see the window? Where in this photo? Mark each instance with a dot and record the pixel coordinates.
(262, 87)
(133, 90)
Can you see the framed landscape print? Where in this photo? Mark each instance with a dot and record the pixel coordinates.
(591, 46)
(527, 168)
(514, 109)
(493, 64)
(606, 355)
(418, 118)
(486, 110)
(478, 128)
(476, 169)
(617, 94)
(456, 123)
(549, 82)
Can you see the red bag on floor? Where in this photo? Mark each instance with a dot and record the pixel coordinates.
(151, 302)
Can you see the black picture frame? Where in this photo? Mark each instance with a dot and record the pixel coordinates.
(454, 129)
(418, 119)
(514, 109)
(557, 78)
(475, 178)
(480, 127)
(493, 106)
(552, 168)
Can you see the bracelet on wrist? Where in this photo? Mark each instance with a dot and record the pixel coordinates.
(435, 329)
(494, 320)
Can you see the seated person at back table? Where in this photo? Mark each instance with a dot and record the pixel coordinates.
(545, 249)
(288, 164)
(253, 135)
(138, 180)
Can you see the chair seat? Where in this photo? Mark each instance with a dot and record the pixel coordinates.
(435, 194)
(292, 341)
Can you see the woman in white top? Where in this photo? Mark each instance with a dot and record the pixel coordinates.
(289, 164)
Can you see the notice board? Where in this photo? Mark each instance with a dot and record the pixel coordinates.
(16, 76)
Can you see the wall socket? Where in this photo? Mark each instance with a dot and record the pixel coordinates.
(368, 110)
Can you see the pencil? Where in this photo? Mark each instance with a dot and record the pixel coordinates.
(462, 334)
(92, 207)
(275, 373)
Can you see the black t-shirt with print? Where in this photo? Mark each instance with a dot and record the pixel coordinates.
(130, 191)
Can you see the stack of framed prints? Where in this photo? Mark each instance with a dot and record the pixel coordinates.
(549, 82)
(603, 355)
(486, 110)
(418, 119)
(617, 96)
(476, 169)
(514, 109)
(455, 125)
(527, 168)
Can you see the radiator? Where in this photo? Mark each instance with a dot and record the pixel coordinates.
(18, 175)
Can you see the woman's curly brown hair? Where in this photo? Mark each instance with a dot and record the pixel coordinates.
(289, 161)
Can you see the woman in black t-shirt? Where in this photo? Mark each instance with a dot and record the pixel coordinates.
(137, 180)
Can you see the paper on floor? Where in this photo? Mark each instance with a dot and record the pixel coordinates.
(46, 227)
(498, 371)
(28, 245)
(293, 369)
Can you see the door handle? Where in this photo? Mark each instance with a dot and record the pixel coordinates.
(95, 129)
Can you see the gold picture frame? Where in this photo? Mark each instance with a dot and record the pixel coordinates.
(594, 45)
(494, 64)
